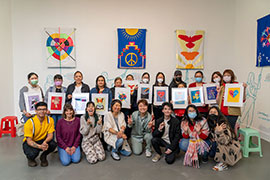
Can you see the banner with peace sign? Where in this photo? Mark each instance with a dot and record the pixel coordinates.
(131, 48)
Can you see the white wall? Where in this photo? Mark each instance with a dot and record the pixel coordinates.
(247, 13)
(6, 65)
(230, 37)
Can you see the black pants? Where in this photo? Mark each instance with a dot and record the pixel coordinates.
(32, 153)
(159, 142)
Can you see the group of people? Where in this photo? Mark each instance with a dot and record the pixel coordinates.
(201, 132)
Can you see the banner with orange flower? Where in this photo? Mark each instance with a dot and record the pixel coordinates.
(189, 49)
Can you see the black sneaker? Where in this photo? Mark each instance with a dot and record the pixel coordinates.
(32, 163)
(204, 160)
(44, 161)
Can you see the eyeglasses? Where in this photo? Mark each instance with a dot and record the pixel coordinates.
(41, 109)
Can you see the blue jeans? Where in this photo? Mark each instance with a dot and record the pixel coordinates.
(118, 147)
(66, 159)
(183, 145)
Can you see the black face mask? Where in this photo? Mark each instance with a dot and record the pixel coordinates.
(213, 117)
(178, 79)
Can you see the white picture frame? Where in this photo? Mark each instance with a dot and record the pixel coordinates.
(132, 85)
(101, 102)
(145, 92)
(31, 99)
(123, 94)
(234, 95)
(161, 95)
(210, 93)
(180, 98)
(196, 96)
(79, 101)
(56, 102)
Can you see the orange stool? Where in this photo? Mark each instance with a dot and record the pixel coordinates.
(8, 129)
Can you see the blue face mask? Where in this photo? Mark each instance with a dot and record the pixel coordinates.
(192, 115)
(198, 79)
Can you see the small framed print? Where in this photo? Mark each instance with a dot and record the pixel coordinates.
(31, 99)
(123, 94)
(56, 102)
(196, 96)
(161, 95)
(79, 101)
(145, 92)
(210, 93)
(180, 98)
(234, 95)
(101, 102)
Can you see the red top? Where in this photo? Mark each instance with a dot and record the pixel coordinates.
(191, 127)
(179, 112)
(201, 109)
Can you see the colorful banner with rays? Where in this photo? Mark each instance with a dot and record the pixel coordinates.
(131, 48)
(189, 49)
(263, 41)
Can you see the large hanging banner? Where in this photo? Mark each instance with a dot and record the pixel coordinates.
(60, 45)
(131, 48)
(263, 41)
(189, 49)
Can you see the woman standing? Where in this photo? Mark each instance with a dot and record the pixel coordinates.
(231, 113)
(77, 87)
(113, 130)
(91, 126)
(68, 136)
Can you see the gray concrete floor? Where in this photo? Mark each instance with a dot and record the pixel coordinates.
(13, 166)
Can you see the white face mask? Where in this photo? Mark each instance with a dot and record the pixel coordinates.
(145, 81)
(160, 80)
(217, 80)
(227, 79)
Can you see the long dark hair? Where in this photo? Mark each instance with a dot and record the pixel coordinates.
(197, 118)
(163, 83)
(221, 119)
(219, 74)
(95, 114)
(105, 85)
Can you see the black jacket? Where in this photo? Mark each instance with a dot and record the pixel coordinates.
(85, 89)
(174, 132)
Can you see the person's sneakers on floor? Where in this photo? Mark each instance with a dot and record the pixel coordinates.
(220, 167)
(204, 160)
(115, 156)
(148, 153)
(125, 153)
(32, 163)
(156, 158)
(44, 161)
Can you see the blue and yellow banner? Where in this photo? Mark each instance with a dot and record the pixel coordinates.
(263, 42)
(131, 48)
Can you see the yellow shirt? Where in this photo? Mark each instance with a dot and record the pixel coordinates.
(41, 130)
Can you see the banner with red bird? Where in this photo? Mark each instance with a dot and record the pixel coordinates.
(189, 49)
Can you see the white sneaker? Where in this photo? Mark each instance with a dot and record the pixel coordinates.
(148, 153)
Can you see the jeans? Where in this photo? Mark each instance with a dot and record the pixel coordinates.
(118, 147)
(66, 159)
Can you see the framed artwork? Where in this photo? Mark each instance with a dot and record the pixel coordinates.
(61, 47)
(161, 94)
(56, 102)
(101, 102)
(31, 99)
(210, 93)
(79, 101)
(196, 96)
(180, 98)
(131, 85)
(123, 94)
(145, 92)
(234, 95)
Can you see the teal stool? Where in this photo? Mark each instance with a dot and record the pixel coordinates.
(247, 146)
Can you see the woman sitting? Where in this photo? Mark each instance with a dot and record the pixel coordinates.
(195, 132)
(91, 126)
(68, 136)
(114, 128)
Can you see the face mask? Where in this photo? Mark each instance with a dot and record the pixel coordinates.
(213, 117)
(192, 115)
(198, 79)
(58, 83)
(227, 79)
(217, 80)
(145, 81)
(160, 80)
(178, 79)
(34, 81)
